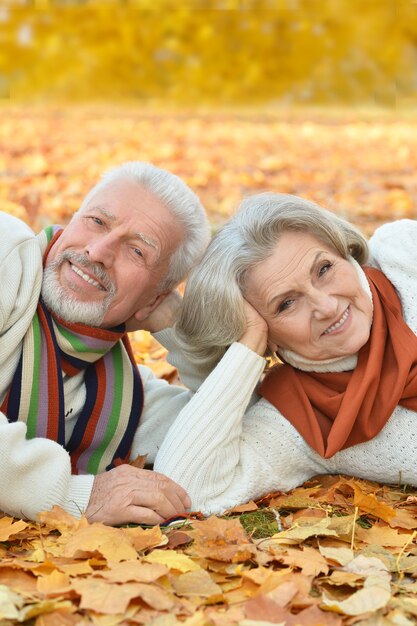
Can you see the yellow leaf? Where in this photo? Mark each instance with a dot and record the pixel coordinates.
(144, 538)
(9, 527)
(60, 520)
(173, 560)
(112, 543)
(53, 584)
(368, 503)
(196, 583)
(133, 571)
(301, 531)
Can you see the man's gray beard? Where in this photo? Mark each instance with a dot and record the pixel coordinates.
(65, 305)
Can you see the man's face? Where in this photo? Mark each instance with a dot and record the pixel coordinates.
(107, 264)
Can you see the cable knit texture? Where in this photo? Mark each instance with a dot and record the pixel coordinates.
(242, 448)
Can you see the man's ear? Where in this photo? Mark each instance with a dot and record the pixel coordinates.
(145, 311)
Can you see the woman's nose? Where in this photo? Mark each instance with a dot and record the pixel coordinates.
(324, 305)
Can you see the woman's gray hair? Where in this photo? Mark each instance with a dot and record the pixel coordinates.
(212, 315)
(184, 204)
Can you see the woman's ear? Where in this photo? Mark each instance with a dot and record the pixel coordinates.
(273, 347)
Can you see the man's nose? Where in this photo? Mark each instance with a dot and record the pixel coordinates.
(102, 250)
(324, 305)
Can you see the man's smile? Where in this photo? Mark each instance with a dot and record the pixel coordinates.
(86, 277)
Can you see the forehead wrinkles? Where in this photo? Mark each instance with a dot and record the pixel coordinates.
(287, 272)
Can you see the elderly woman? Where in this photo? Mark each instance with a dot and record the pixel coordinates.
(285, 276)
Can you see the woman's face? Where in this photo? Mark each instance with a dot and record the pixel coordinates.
(311, 299)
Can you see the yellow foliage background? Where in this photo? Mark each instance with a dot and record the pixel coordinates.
(209, 51)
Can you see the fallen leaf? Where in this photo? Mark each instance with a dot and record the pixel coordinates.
(173, 560)
(197, 583)
(10, 527)
(303, 529)
(112, 543)
(103, 597)
(373, 596)
(221, 539)
(133, 571)
(145, 538)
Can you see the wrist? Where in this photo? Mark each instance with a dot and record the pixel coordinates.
(255, 341)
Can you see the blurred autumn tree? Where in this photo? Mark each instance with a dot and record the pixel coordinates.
(205, 51)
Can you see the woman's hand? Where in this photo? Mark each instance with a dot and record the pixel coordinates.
(255, 336)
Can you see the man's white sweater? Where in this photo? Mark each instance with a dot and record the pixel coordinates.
(36, 473)
(228, 450)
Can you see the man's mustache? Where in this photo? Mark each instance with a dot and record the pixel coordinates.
(97, 270)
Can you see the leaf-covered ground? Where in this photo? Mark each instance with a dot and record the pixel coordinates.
(335, 551)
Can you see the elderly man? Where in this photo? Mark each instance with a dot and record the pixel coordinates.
(74, 407)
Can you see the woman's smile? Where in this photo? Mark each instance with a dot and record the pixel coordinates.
(340, 325)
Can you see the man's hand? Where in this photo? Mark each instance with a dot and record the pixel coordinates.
(127, 494)
(164, 316)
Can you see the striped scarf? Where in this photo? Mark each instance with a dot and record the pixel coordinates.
(105, 428)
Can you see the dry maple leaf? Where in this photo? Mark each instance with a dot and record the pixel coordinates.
(221, 539)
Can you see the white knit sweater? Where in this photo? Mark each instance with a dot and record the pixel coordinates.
(36, 474)
(230, 448)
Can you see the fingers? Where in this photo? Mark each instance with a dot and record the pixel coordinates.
(127, 494)
(169, 487)
(160, 494)
(163, 504)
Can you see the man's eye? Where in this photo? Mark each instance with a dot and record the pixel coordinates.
(138, 252)
(96, 220)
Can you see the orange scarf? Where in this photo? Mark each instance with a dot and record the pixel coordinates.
(334, 411)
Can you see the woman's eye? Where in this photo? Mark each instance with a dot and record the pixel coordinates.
(285, 305)
(325, 268)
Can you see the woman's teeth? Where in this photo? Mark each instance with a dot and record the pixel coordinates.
(338, 324)
(88, 279)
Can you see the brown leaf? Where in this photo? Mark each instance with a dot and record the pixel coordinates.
(264, 609)
(178, 538)
(221, 539)
(103, 597)
(243, 508)
(307, 559)
(139, 461)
